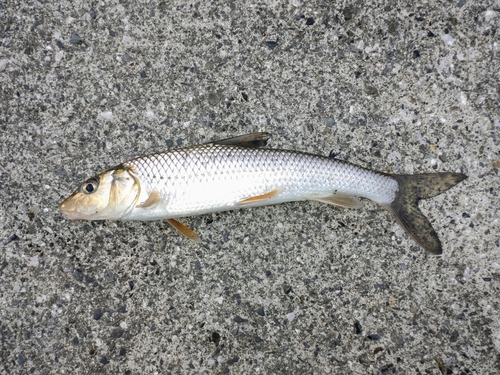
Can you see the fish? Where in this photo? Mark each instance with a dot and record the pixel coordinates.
(240, 172)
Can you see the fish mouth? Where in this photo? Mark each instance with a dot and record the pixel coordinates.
(68, 213)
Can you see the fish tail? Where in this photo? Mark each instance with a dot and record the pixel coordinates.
(404, 207)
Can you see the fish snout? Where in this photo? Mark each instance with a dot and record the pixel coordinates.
(68, 210)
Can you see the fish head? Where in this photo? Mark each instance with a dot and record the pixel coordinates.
(107, 196)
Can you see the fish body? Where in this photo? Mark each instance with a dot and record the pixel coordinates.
(211, 178)
(237, 173)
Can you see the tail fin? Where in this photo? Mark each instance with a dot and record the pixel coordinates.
(405, 209)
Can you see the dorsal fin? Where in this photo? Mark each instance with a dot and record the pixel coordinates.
(252, 140)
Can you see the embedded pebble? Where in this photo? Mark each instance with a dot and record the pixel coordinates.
(447, 38)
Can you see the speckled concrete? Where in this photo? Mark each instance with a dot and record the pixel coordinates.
(292, 289)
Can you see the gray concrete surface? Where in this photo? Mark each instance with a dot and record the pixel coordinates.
(299, 288)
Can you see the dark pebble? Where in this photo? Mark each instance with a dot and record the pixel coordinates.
(179, 142)
(59, 44)
(348, 13)
(370, 90)
(430, 34)
(123, 351)
(465, 215)
(78, 274)
(170, 143)
(374, 337)
(131, 284)
(454, 336)
(21, 359)
(358, 327)
(89, 279)
(420, 19)
(75, 38)
(215, 338)
(461, 3)
(213, 98)
(127, 58)
(238, 319)
(244, 96)
(287, 288)
(76, 341)
(117, 333)
(13, 238)
(97, 314)
(416, 54)
(143, 74)
(122, 309)
(333, 154)
(112, 33)
(310, 21)
(260, 311)
(109, 277)
(197, 265)
(386, 368)
(271, 44)
(330, 122)
(104, 361)
(165, 122)
(233, 360)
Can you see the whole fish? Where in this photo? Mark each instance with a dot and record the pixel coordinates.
(237, 173)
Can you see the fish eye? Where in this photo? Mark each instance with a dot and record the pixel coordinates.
(90, 186)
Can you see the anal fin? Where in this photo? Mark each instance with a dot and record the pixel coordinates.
(259, 198)
(341, 199)
(184, 229)
(153, 198)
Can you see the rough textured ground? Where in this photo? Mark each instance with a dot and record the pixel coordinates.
(293, 289)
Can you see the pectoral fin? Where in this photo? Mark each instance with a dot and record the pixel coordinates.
(341, 199)
(252, 140)
(153, 198)
(186, 231)
(259, 198)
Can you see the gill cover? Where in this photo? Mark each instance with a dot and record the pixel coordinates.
(108, 196)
